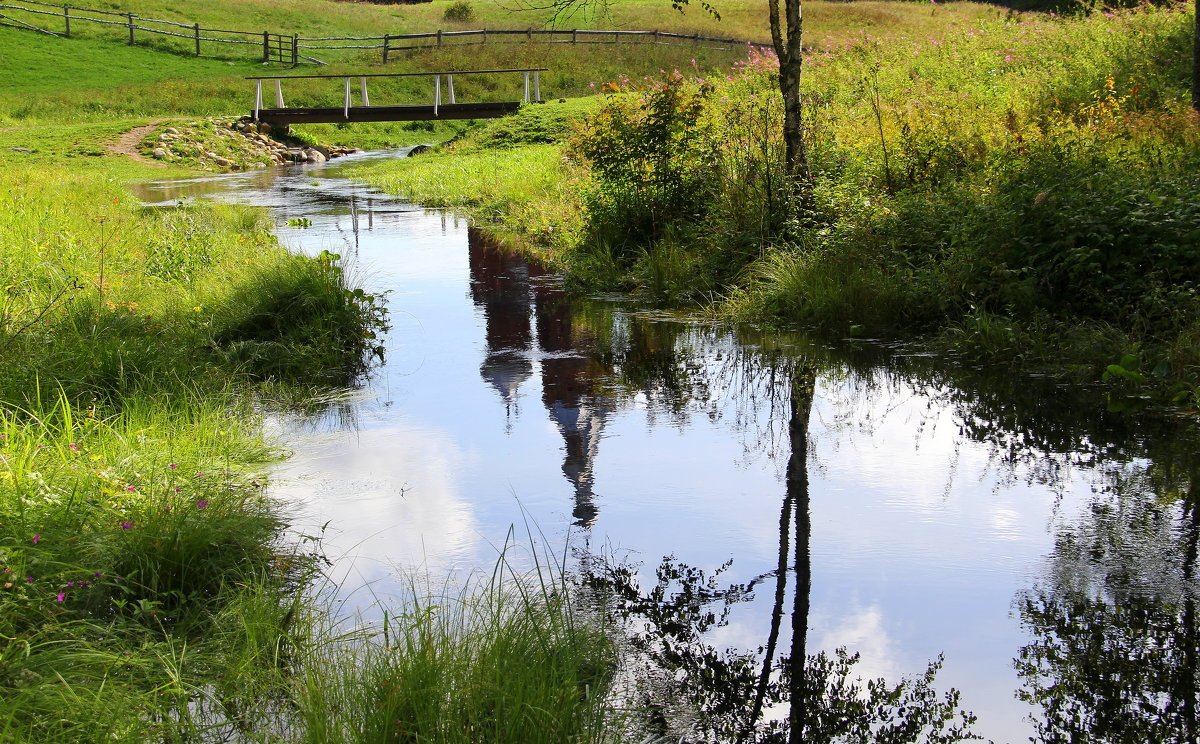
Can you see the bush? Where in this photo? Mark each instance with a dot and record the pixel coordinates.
(459, 12)
(652, 164)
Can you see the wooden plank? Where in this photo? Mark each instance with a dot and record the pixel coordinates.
(331, 114)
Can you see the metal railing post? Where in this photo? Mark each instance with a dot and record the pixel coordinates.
(257, 98)
(278, 93)
(347, 109)
(527, 87)
(450, 84)
(437, 93)
(362, 81)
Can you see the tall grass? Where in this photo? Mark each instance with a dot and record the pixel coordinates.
(146, 592)
(1012, 168)
(506, 657)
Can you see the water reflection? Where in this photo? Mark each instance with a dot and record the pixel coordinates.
(1115, 644)
(896, 502)
(514, 303)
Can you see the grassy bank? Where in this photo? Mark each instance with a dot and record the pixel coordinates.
(149, 590)
(1019, 188)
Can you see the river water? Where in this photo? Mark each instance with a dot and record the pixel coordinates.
(1009, 524)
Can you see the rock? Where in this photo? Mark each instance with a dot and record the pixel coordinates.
(171, 130)
(21, 149)
(223, 162)
(264, 128)
(160, 154)
(313, 155)
(163, 138)
(418, 150)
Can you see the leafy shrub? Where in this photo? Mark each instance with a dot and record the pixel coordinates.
(651, 164)
(459, 12)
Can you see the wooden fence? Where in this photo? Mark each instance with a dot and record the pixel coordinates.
(56, 20)
(59, 22)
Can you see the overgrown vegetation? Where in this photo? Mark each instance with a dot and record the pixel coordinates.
(148, 591)
(1006, 185)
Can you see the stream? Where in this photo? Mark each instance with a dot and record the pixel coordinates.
(1037, 541)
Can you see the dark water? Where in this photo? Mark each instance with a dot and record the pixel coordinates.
(1043, 545)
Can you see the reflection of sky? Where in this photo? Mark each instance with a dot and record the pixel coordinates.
(918, 543)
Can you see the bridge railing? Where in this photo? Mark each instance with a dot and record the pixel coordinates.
(65, 20)
(532, 85)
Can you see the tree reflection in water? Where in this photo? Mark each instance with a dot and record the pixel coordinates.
(1115, 644)
(702, 694)
(1113, 641)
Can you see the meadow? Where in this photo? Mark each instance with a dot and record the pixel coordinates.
(1016, 189)
(966, 163)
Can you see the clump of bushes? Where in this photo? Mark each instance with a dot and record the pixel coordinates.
(460, 11)
(1037, 169)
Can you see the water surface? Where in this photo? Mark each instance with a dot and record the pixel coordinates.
(1009, 524)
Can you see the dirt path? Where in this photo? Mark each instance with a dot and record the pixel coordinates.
(127, 144)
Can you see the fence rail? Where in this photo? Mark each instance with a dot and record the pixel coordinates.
(285, 48)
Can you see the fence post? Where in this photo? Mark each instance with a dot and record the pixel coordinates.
(439, 37)
(484, 37)
(696, 40)
(575, 36)
(529, 33)
(266, 46)
(130, 16)
(387, 40)
(295, 49)
(197, 30)
(656, 36)
(67, 19)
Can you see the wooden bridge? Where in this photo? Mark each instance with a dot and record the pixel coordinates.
(448, 108)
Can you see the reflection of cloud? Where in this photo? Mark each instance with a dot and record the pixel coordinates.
(390, 497)
(862, 632)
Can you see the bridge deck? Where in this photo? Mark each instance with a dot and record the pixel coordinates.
(334, 114)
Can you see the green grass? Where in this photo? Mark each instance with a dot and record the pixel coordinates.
(505, 658)
(1009, 174)
(95, 76)
(147, 589)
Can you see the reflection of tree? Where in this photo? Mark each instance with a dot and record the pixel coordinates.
(1114, 654)
(726, 693)
(581, 348)
(500, 288)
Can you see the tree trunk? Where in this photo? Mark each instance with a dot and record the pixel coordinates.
(1196, 57)
(787, 36)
